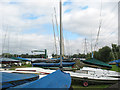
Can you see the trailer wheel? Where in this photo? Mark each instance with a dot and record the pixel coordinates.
(85, 83)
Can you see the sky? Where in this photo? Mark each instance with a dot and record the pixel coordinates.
(26, 25)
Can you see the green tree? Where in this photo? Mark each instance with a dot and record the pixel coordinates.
(104, 54)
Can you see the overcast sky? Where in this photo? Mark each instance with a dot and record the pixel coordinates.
(26, 25)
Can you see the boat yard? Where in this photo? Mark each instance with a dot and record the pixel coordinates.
(93, 76)
(64, 44)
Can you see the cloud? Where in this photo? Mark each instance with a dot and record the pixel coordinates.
(27, 23)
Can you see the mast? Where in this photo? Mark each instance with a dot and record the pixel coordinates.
(119, 25)
(61, 35)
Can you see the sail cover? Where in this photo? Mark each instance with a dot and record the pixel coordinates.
(57, 79)
(65, 64)
(8, 80)
(114, 62)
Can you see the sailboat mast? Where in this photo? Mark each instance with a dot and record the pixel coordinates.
(119, 25)
(61, 34)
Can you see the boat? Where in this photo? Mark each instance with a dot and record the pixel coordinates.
(14, 79)
(96, 63)
(8, 62)
(88, 75)
(98, 71)
(93, 78)
(20, 58)
(35, 69)
(65, 64)
(57, 79)
(46, 60)
(117, 62)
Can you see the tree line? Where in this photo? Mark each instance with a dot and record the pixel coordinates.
(104, 54)
(8, 55)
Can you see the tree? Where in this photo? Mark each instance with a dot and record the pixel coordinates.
(104, 54)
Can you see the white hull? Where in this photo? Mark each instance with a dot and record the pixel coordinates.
(99, 72)
(91, 76)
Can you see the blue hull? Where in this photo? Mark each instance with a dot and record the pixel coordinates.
(65, 64)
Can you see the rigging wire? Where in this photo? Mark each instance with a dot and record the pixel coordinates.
(63, 45)
(113, 54)
(105, 20)
(4, 39)
(8, 42)
(54, 36)
(100, 23)
(58, 32)
(57, 25)
(85, 47)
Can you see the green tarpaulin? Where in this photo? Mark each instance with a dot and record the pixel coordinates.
(96, 62)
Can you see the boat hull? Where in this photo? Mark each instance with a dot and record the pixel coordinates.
(52, 64)
(95, 81)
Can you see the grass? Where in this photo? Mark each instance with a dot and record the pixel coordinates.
(115, 68)
(23, 66)
(91, 86)
(77, 84)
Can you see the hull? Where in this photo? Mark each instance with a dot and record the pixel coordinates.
(93, 78)
(100, 72)
(65, 64)
(95, 81)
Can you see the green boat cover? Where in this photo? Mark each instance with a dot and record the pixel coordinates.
(94, 61)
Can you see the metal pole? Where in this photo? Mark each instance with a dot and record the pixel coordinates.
(119, 25)
(61, 34)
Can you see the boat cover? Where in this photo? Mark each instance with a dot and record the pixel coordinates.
(57, 79)
(65, 64)
(13, 79)
(20, 58)
(96, 62)
(23, 59)
(115, 61)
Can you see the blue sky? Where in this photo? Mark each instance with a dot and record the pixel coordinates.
(47, 29)
(34, 18)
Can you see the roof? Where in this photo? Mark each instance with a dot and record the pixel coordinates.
(13, 79)
(96, 62)
(8, 60)
(57, 79)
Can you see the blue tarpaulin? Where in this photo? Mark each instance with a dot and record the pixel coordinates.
(65, 64)
(57, 79)
(115, 61)
(20, 58)
(13, 79)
